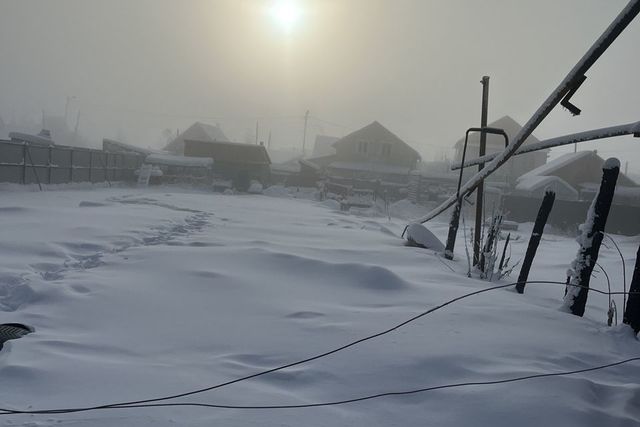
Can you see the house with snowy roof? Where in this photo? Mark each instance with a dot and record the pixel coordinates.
(575, 176)
(373, 152)
(196, 132)
(508, 173)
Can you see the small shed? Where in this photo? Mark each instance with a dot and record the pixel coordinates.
(239, 163)
(181, 169)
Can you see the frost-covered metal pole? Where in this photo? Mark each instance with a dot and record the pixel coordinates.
(534, 241)
(570, 81)
(590, 239)
(477, 233)
(632, 311)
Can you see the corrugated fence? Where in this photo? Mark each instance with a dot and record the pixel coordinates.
(25, 163)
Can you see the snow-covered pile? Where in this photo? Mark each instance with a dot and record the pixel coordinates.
(137, 294)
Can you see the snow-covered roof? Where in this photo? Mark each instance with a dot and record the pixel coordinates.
(40, 139)
(371, 167)
(552, 166)
(534, 183)
(117, 146)
(171, 160)
(309, 164)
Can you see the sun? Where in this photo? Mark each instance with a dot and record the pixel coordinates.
(286, 13)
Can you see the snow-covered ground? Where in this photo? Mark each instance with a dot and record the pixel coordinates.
(137, 294)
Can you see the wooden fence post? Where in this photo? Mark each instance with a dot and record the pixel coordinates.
(50, 163)
(24, 162)
(632, 310)
(91, 166)
(453, 230)
(71, 166)
(575, 298)
(534, 240)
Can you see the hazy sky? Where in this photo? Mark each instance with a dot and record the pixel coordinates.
(136, 67)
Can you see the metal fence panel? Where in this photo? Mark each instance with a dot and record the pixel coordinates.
(11, 153)
(60, 175)
(11, 174)
(38, 156)
(63, 164)
(36, 174)
(81, 175)
(81, 159)
(61, 157)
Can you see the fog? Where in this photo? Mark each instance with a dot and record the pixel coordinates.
(133, 68)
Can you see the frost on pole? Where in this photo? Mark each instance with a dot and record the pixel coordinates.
(590, 239)
(611, 163)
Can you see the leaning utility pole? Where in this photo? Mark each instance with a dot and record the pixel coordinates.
(304, 135)
(477, 234)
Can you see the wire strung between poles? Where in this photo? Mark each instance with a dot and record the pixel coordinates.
(371, 396)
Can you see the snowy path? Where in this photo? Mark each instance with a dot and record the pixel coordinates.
(138, 294)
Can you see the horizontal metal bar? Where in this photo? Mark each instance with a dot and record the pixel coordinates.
(574, 138)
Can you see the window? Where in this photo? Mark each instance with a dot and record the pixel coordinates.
(386, 150)
(363, 146)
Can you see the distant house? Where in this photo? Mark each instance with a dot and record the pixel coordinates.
(508, 173)
(196, 132)
(372, 152)
(575, 176)
(323, 146)
(236, 162)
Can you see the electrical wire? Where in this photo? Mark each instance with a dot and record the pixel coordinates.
(375, 396)
(147, 402)
(608, 281)
(611, 309)
(624, 271)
